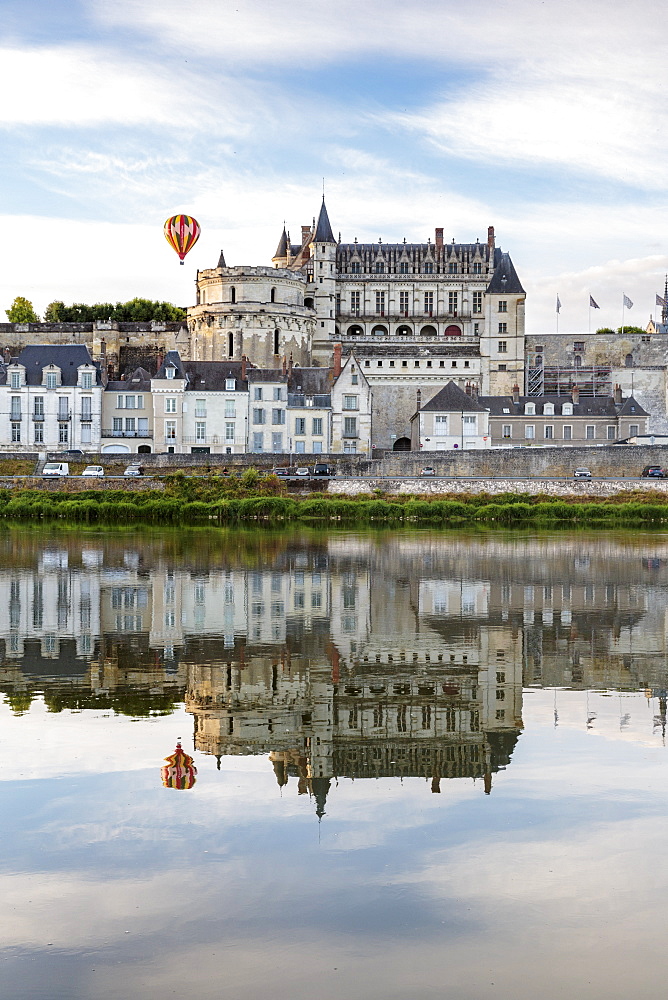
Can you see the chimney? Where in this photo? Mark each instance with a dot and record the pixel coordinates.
(474, 391)
(243, 367)
(468, 389)
(419, 400)
(290, 365)
(490, 237)
(336, 361)
(516, 393)
(306, 232)
(284, 366)
(575, 395)
(439, 236)
(161, 358)
(618, 395)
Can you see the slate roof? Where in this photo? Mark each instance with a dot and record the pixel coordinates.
(451, 399)
(201, 376)
(221, 260)
(266, 375)
(415, 254)
(505, 277)
(412, 350)
(139, 380)
(172, 358)
(282, 248)
(310, 381)
(323, 230)
(67, 357)
(588, 406)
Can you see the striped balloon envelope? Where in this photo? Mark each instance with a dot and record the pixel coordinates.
(182, 233)
(179, 770)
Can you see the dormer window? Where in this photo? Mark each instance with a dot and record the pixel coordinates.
(477, 267)
(548, 409)
(428, 267)
(567, 409)
(51, 380)
(16, 380)
(403, 267)
(230, 384)
(530, 408)
(86, 380)
(355, 267)
(169, 371)
(380, 267)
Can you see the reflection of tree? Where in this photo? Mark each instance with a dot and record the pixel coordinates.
(19, 701)
(138, 704)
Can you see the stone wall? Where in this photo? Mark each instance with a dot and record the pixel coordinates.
(551, 488)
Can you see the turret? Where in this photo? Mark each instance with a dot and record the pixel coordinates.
(323, 261)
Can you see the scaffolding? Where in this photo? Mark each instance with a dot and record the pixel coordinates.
(560, 381)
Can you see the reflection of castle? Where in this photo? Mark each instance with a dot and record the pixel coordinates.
(413, 719)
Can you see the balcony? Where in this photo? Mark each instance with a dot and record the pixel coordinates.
(64, 415)
(127, 434)
(38, 417)
(214, 439)
(15, 415)
(86, 418)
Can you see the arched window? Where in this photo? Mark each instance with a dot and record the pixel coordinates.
(273, 295)
(308, 302)
(539, 361)
(233, 294)
(628, 361)
(276, 339)
(230, 344)
(577, 361)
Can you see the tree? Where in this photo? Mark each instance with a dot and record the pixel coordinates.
(21, 311)
(54, 312)
(606, 330)
(630, 329)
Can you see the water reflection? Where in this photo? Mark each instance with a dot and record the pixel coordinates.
(345, 654)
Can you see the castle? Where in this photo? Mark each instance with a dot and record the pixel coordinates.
(416, 315)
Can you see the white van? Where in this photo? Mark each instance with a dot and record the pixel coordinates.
(52, 469)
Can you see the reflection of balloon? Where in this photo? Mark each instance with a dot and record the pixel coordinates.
(179, 770)
(182, 233)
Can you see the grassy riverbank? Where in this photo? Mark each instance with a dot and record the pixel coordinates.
(256, 498)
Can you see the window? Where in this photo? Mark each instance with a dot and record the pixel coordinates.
(403, 267)
(380, 267)
(469, 424)
(428, 267)
(39, 433)
(611, 432)
(429, 302)
(507, 431)
(380, 303)
(316, 447)
(257, 392)
(590, 432)
(86, 380)
(258, 441)
(230, 384)
(38, 408)
(477, 302)
(355, 303)
(452, 267)
(440, 425)
(258, 416)
(229, 432)
(529, 432)
(170, 404)
(278, 416)
(170, 430)
(200, 431)
(503, 327)
(549, 432)
(15, 408)
(452, 302)
(354, 380)
(86, 408)
(350, 426)
(169, 371)
(403, 303)
(277, 441)
(548, 409)
(502, 347)
(539, 349)
(278, 393)
(355, 267)
(117, 425)
(51, 380)
(530, 409)
(200, 407)
(63, 408)
(350, 402)
(63, 433)
(230, 408)
(633, 430)
(142, 427)
(568, 432)
(300, 425)
(16, 432)
(567, 409)
(300, 447)
(317, 426)
(503, 306)
(86, 434)
(579, 346)
(502, 368)
(16, 380)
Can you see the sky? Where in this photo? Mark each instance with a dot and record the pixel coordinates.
(545, 120)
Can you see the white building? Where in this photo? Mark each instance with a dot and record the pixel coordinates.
(451, 420)
(50, 400)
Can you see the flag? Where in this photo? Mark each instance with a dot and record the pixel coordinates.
(660, 302)
(592, 304)
(627, 302)
(558, 304)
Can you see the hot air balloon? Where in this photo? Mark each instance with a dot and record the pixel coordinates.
(182, 233)
(179, 770)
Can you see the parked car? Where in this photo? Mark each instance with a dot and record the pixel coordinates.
(428, 470)
(74, 453)
(654, 472)
(582, 473)
(281, 472)
(53, 469)
(302, 470)
(95, 471)
(134, 470)
(322, 469)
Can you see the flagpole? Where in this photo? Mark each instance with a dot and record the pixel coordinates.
(623, 304)
(589, 328)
